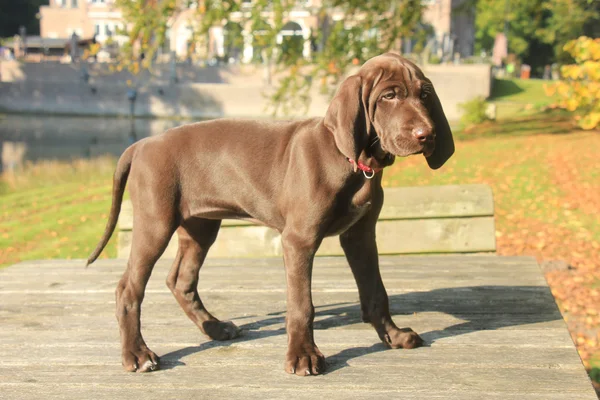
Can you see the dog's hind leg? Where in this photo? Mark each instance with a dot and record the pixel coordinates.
(195, 238)
(151, 236)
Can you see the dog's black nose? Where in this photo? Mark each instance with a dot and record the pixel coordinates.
(423, 134)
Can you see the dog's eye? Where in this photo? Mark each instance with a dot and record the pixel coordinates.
(425, 91)
(389, 95)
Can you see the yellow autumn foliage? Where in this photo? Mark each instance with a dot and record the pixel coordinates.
(579, 89)
(91, 51)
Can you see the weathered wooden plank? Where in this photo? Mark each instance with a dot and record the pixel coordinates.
(252, 283)
(435, 265)
(478, 378)
(429, 324)
(233, 292)
(186, 334)
(449, 235)
(332, 303)
(227, 295)
(360, 354)
(448, 201)
(461, 303)
(30, 390)
(125, 222)
(331, 312)
(443, 262)
(183, 333)
(437, 202)
(445, 235)
(227, 280)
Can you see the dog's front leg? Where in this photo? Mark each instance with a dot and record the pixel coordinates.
(303, 357)
(360, 248)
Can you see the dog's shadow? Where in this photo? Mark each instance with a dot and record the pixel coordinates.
(478, 307)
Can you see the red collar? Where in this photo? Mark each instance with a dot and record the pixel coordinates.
(366, 169)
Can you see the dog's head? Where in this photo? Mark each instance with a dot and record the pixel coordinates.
(391, 105)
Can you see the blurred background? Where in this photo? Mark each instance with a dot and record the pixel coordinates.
(80, 80)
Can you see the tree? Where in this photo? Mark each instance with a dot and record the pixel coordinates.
(569, 19)
(580, 87)
(524, 17)
(361, 29)
(537, 29)
(14, 14)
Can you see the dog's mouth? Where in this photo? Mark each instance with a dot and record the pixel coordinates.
(412, 148)
(388, 158)
(428, 149)
(376, 150)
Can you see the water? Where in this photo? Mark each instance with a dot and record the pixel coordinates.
(30, 138)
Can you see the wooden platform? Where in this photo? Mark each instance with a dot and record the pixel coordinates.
(491, 325)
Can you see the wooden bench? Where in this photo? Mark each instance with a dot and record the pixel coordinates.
(414, 220)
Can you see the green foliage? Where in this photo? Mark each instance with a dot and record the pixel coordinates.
(524, 18)
(14, 14)
(233, 41)
(294, 82)
(537, 29)
(433, 59)
(595, 369)
(147, 28)
(569, 19)
(474, 111)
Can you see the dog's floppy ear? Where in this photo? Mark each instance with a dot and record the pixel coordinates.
(345, 117)
(444, 143)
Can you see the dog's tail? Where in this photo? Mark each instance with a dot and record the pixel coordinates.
(119, 181)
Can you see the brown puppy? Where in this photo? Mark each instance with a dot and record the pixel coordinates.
(307, 179)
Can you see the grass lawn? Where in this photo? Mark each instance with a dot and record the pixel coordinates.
(514, 97)
(55, 210)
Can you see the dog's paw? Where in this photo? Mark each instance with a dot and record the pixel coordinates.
(221, 330)
(305, 362)
(140, 360)
(404, 338)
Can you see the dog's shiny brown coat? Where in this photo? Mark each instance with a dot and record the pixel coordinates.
(292, 176)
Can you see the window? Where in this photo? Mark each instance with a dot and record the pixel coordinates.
(60, 3)
(74, 4)
(108, 29)
(97, 29)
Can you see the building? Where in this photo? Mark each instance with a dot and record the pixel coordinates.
(86, 18)
(452, 21)
(235, 42)
(61, 18)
